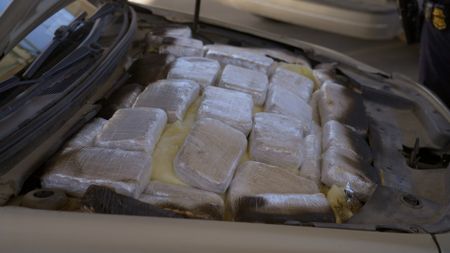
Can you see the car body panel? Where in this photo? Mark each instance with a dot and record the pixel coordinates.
(25, 230)
(444, 242)
(360, 19)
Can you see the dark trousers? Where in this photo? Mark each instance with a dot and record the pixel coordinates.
(435, 61)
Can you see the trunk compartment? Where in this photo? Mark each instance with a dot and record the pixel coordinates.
(399, 184)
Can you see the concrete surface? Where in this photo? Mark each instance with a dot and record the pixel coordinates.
(390, 56)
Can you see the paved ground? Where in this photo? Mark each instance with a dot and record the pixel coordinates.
(390, 56)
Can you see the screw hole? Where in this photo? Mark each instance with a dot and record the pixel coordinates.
(412, 201)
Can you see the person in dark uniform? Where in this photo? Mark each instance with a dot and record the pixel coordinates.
(429, 23)
(434, 61)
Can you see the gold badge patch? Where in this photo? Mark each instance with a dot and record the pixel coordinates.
(439, 19)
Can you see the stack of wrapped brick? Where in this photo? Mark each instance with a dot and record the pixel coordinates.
(265, 136)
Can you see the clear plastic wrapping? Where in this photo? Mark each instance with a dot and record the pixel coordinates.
(325, 72)
(245, 80)
(342, 104)
(135, 129)
(293, 82)
(181, 46)
(86, 136)
(338, 135)
(259, 190)
(233, 108)
(282, 101)
(172, 96)
(301, 69)
(201, 70)
(172, 30)
(127, 172)
(347, 172)
(194, 202)
(277, 140)
(283, 55)
(151, 68)
(154, 42)
(210, 155)
(312, 150)
(239, 56)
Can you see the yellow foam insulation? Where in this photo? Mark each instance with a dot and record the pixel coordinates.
(381, 177)
(257, 109)
(302, 70)
(169, 144)
(338, 202)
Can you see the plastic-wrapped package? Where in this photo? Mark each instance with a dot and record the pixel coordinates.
(173, 96)
(210, 155)
(201, 70)
(124, 97)
(135, 129)
(312, 150)
(172, 30)
(301, 69)
(338, 135)
(233, 108)
(171, 35)
(127, 172)
(241, 57)
(325, 72)
(86, 136)
(293, 82)
(347, 172)
(158, 33)
(154, 42)
(151, 68)
(193, 202)
(245, 80)
(339, 103)
(285, 208)
(282, 101)
(181, 46)
(261, 192)
(277, 140)
(283, 55)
